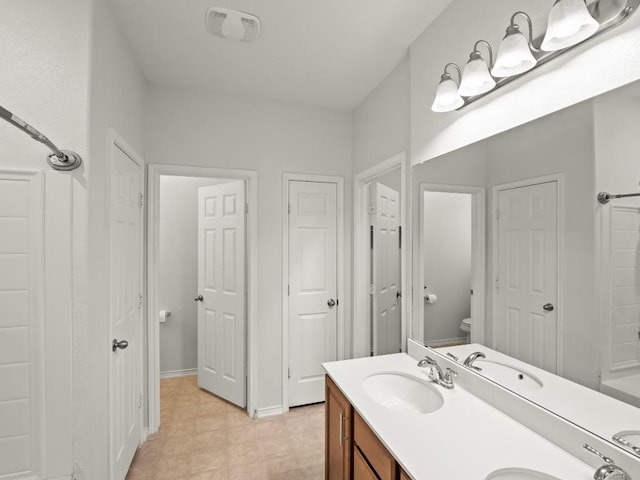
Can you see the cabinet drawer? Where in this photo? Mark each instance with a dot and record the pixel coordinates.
(373, 450)
(361, 469)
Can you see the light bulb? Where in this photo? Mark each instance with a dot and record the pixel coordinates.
(232, 27)
(476, 78)
(447, 97)
(514, 55)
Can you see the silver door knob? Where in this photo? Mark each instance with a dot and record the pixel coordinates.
(122, 344)
(548, 307)
(331, 302)
(199, 298)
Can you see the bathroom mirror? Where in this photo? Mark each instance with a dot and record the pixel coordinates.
(513, 250)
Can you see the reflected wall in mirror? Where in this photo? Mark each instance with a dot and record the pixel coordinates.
(562, 271)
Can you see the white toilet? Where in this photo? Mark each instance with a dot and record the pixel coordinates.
(465, 326)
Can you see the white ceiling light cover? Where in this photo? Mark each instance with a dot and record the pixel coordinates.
(231, 24)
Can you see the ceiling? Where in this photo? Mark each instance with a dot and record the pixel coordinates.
(325, 53)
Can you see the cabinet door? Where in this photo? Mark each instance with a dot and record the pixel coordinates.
(361, 470)
(403, 475)
(338, 434)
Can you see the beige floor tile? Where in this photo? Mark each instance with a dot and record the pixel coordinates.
(207, 460)
(212, 440)
(172, 446)
(217, 474)
(242, 453)
(203, 437)
(241, 433)
(248, 471)
(172, 468)
(282, 468)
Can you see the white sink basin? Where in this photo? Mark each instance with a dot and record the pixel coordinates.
(402, 392)
(519, 474)
(508, 376)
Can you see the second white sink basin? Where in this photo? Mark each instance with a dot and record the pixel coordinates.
(519, 474)
(509, 377)
(402, 392)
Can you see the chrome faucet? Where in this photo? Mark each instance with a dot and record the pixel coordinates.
(472, 358)
(611, 471)
(444, 379)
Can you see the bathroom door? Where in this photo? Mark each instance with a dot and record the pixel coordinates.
(526, 319)
(221, 292)
(313, 301)
(385, 267)
(125, 310)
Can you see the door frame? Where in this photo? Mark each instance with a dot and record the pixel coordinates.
(155, 171)
(560, 268)
(478, 255)
(301, 177)
(361, 334)
(117, 141)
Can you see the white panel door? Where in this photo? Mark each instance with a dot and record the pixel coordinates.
(385, 262)
(221, 291)
(125, 310)
(312, 288)
(527, 285)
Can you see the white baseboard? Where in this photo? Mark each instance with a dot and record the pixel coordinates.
(269, 411)
(179, 373)
(446, 341)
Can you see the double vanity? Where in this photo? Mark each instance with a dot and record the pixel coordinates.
(427, 415)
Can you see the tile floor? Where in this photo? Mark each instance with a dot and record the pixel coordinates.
(202, 437)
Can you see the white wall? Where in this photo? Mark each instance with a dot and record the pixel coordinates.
(178, 270)
(209, 129)
(117, 91)
(381, 122)
(447, 263)
(598, 66)
(45, 81)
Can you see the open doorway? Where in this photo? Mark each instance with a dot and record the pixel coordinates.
(451, 264)
(200, 269)
(379, 255)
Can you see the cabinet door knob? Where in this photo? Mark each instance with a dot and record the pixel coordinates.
(199, 298)
(331, 302)
(548, 307)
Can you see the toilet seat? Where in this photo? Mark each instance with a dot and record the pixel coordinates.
(465, 325)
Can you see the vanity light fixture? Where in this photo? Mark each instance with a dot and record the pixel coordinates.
(447, 96)
(476, 78)
(514, 52)
(570, 23)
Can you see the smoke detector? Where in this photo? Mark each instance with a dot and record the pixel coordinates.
(231, 24)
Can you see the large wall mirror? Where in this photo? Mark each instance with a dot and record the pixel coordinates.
(514, 251)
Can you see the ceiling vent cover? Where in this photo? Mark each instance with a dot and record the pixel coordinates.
(233, 25)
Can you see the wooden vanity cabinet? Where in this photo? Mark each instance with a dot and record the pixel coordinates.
(338, 427)
(352, 450)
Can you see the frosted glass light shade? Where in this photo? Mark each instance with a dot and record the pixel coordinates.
(569, 23)
(447, 98)
(514, 55)
(476, 78)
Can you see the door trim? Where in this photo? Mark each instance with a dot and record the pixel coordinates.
(155, 171)
(560, 270)
(478, 260)
(361, 309)
(340, 248)
(117, 141)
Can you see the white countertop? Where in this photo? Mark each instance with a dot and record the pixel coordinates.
(598, 413)
(466, 439)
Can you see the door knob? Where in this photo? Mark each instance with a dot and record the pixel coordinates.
(331, 302)
(548, 307)
(199, 298)
(122, 344)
